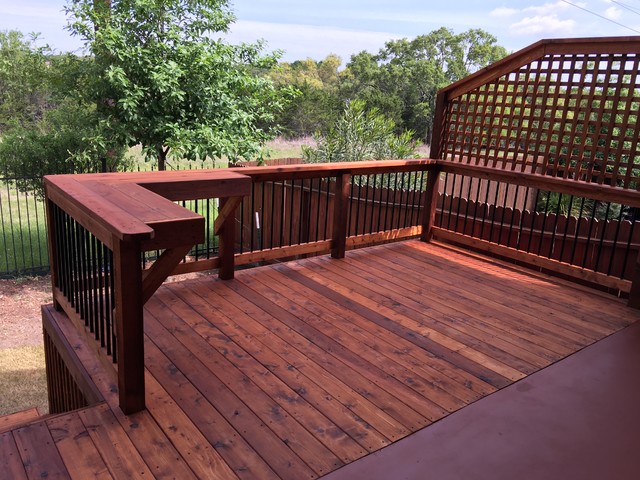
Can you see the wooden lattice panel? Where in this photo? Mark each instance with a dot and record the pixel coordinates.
(571, 115)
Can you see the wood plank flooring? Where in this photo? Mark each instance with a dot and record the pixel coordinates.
(294, 370)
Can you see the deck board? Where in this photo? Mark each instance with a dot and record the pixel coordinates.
(296, 369)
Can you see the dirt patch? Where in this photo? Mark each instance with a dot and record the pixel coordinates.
(20, 318)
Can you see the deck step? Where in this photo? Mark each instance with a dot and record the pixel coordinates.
(13, 420)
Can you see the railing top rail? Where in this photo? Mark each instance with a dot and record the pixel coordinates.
(605, 193)
(89, 208)
(180, 184)
(138, 206)
(310, 170)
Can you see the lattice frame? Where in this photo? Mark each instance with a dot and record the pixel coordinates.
(563, 114)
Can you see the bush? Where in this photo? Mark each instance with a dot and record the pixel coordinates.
(361, 134)
(62, 142)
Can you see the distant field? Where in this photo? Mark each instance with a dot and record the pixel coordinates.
(278, 148)
(281, 148)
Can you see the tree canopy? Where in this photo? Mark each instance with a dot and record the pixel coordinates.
(24, 85)
(402, 80)
(318, 102)
(161, 78)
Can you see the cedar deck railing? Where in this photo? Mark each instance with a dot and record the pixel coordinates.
(557, 123)
(504, 138)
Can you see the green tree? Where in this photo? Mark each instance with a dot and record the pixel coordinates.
(317, 104)
(62, 141)
(162, 78)
(46, 127)
(402, 80)
(361, 134)
(24, 80)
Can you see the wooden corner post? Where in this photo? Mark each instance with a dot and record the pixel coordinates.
(430, 203)
(438, 125)
(340, 215)
(52, 246)
(634, 293)
(129, 325)
(226, 229)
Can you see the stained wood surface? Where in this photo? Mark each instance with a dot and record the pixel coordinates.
(293, 370)
(7, 422)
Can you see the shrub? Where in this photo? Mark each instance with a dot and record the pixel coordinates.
(361, 134)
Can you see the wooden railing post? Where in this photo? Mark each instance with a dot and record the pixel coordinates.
(634, 293)
(430, 203)
(438, 124)
(340, 215)
(227, 236)
(129, 325)
(52, 247)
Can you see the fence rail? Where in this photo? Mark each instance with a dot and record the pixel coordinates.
(23, 231)
(592, 240)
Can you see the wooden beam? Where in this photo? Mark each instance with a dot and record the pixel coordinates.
(197, 266)
(605, 193)
(323, 170)
(340, 215)
(438, 124)
(161, 269)
(227, 209)
(538, 50)
(323, 246)
(380, 237)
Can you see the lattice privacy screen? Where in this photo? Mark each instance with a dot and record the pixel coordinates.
(571, 115)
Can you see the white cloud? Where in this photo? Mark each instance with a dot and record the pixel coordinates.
(613, 13)
(503, 12)
(548, 8)
(302, 41)
(541, 24)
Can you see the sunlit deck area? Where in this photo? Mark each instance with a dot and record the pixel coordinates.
(474, 319)
(297, 369)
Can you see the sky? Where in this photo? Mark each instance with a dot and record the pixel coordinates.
(315, 28)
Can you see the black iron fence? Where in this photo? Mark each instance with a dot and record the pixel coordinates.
(23, 229)
(23, 232)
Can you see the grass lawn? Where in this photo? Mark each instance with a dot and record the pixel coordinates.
(23, 381)
(23, 241)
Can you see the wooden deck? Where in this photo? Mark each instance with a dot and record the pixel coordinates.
(296, 369)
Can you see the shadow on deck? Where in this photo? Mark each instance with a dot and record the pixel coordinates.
(298, 369)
